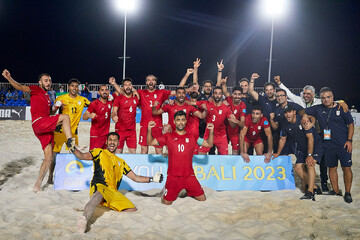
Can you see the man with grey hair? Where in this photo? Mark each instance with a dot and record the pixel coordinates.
(307, 98)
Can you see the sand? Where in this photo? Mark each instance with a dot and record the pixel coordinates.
(225, 215)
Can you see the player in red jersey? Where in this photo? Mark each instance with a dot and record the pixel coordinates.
(217, 113)
(42, 123)
(238, 108)
(250, 134)
(124, 115)
(181, 145)
(147, 100)
(100, 112)
(178, 105)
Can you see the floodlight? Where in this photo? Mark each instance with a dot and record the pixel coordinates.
(274, 7)
(125, 5)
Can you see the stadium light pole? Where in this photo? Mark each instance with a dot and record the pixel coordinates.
(273, 8)
(125, 6)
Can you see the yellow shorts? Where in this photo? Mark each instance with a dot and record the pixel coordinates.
(113, 198)
(60, 139)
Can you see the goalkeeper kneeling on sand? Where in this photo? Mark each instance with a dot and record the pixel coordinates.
(108, 172)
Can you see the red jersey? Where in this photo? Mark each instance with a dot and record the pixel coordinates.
(254, 129)
(181, 151)
(218, 115)
(172, 109)
(40, 103)
(126, 112)
(100, 125)
(147, 100)
(239, 111)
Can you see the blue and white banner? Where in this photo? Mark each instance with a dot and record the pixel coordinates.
(228, 173)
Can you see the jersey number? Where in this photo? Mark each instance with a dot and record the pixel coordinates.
(130, 109)
(181, 148)
(151, 103)
(213, 119)
(73, 110)
(106, 115)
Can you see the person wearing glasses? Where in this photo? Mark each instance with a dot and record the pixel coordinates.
(337, 130)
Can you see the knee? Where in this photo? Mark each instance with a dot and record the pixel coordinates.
(298, 168)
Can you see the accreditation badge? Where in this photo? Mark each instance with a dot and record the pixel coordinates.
(327, 134)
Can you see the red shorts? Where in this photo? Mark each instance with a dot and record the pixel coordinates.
(220, 142)
(44, 129)
(175, 184)
(98, 142)
(253, 141)
(156, 132)
(235, 141)
(129, 136)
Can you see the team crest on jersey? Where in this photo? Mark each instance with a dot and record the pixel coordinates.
(259, 127)
(220, 111)
(186, 140)
(300, 127)
(79, 102)
(155, 96)
(109, 106)
(134, 101)
(184, 110)
(235, 111)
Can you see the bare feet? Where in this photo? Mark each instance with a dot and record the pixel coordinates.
(81, 225)
(37, 187)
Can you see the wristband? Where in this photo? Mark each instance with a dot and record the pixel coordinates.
(309, 154)
(349, 140)
(219, 71)
(151, 179)
(340, 101)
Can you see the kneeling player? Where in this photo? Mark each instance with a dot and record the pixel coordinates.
(108, 172)
(250, 135)
(181, 146)
(308, 150)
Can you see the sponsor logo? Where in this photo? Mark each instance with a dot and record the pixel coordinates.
(12, 113)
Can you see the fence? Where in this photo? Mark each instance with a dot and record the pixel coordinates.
(96, 87)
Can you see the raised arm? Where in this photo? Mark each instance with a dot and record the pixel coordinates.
(14, 83)
(183, 81)
(252, 91)
(81, 155)
(149, 138)
(115, 85)
(156, 111)
(224, 87)
(210, 141)
(220, 67)
(196, 67)
(291, 96)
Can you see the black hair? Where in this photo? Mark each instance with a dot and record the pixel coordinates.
(282, 90)
(179, 113)
(73, 80)
(257, 107)
(43, 74)
(126, 80)
(208, 81)
(180, 88)
(218, 87)
(237, 88)
(113, 134)
(325, 89)
(269, 84)
(194, 95)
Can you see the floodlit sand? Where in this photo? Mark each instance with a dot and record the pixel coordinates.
(225, 215)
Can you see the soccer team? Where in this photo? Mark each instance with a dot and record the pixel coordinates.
(315, 130)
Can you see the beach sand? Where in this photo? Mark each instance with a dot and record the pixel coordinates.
(53, 214)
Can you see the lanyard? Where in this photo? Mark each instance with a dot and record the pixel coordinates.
(328, 118)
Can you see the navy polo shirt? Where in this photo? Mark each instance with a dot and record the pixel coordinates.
(266, 105)
(298, 134)
(279, 112)
(335, 120)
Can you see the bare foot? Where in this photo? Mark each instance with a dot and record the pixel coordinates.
(37, 187)
(81, 225)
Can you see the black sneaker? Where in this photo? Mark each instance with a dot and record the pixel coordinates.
(324, 187)
(317, 190)
(308, 196)
(71, 144)
(348, 197)
(332, 192)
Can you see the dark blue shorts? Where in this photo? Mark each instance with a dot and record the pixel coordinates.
(332, 155)
(301, 157)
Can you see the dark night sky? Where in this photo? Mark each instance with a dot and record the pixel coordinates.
(317, 42)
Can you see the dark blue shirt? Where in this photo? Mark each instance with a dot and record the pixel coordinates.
(266, 105)
(298, 134)
(248, 103)
(279, 112)
(335, 120)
